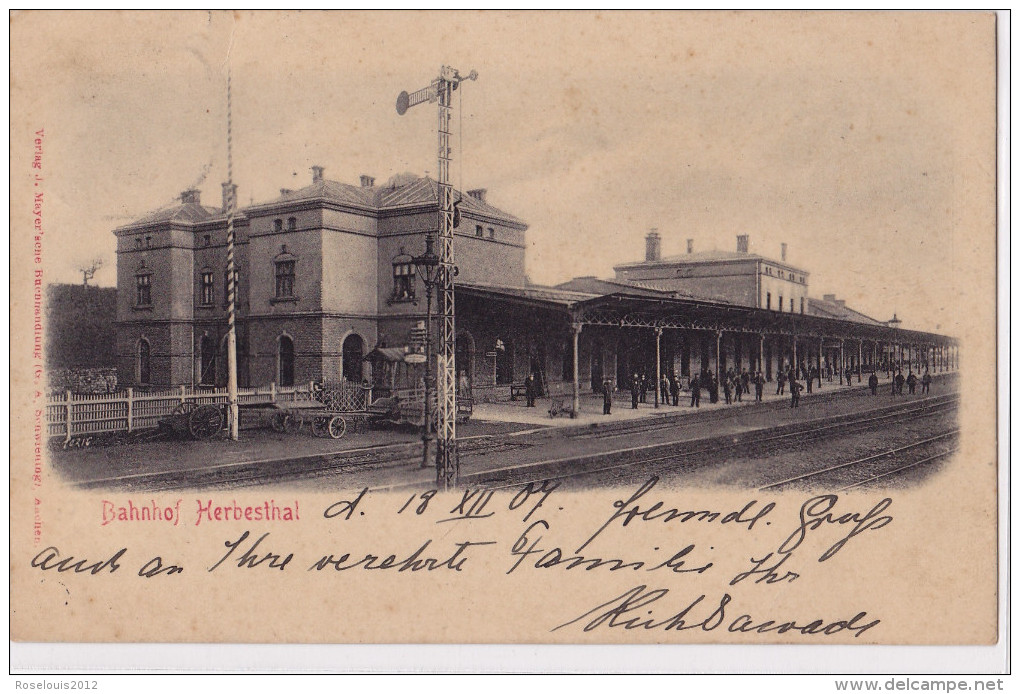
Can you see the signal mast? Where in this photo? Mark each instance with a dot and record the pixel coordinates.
(441, 90)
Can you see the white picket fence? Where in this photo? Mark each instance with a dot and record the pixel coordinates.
(69, 414)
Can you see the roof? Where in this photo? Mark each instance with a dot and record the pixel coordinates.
(712, 256)
(831, 309)
(404, 191)
(184, 212)
(390, 354)
(643, 288)
(532, 292)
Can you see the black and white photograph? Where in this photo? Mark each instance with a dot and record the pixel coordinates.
(596, 327)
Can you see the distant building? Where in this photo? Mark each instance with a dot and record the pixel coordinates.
(741, 277)
(324, 273)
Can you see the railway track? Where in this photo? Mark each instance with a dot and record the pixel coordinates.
(873, 467)
(690, 455)
(381, 459)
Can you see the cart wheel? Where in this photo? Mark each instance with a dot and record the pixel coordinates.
(292, 424)
(337, 427)
(186, 407)
(320, 426)
(205, 421)
(279, 421)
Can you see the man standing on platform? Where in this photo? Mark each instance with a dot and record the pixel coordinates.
(696, 391)
(759, 386)
(607, 397)
(925, 383)
(873, 383)
(635, 390)
(795, 387)
(530, 390)
(674, 390)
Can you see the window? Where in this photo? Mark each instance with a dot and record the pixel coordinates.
(138, 243)
(207, 292)
(277, 225)
(206, 240)
(144, 373)
(768, 301)
(291, 223)
(403, 281)
(780, 303)
(492, 233)
(791, 304)
(284, 279)
(148, 241)
(143, 284)
(802, 304)
(479, 232)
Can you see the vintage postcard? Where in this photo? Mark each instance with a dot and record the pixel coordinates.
(516, 328)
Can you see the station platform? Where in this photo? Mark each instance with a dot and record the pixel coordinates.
(527, 434)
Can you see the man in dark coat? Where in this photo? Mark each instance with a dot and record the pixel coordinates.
(644, 388)
(873, 383)
(674, 389)
(925, 383)
(607, 397)
(912, 382)
(759, 386)
(745, 382)
(696, 391)
(781, 382)
(635, 391)
(811, 375)
(530, 390)
(795, 387)
(898, 383)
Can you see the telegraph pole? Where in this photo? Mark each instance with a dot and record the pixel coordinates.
(440, 91)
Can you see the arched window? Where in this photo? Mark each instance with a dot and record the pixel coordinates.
(403, 278)
(291, 223)
(285, 363)
(353, 350)
(285, 266)
(144, 373)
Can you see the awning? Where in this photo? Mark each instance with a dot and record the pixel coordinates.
(389, 354)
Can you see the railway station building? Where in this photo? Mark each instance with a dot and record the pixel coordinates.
(327, 290)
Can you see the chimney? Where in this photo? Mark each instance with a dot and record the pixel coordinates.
(841, 303)
(742, 243)
(829, 297)
(227, 190)
(653, 246)
(285, 191)
(782, 252)
(367, 182)
(191, 197)
(478, 194)
(317, 172)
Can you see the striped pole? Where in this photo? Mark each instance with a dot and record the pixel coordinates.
(231, 329)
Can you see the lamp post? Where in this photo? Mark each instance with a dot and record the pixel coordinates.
(427, 266)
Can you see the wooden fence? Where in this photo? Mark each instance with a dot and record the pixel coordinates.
(69, 414)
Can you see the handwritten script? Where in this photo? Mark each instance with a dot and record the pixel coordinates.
(664, 541)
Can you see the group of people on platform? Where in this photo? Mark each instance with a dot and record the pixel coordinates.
(734, 386)
(898, 381)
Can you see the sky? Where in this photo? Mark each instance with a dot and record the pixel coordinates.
(864, 141)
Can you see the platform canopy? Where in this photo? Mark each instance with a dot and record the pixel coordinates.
(645, 310)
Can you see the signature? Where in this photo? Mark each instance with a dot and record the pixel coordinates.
(631, 611)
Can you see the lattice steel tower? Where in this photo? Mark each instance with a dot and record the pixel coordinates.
(441, 90)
